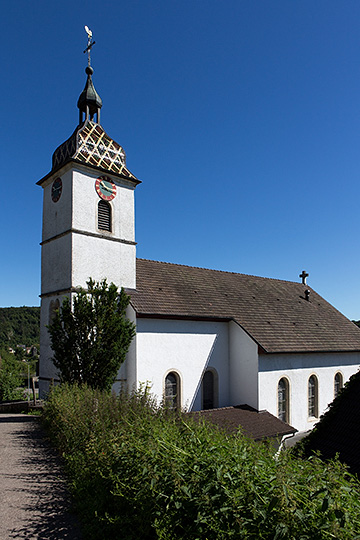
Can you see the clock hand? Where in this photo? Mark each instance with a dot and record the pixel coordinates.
(104, 186)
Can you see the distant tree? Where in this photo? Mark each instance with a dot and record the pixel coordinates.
(91, 337)
(10, 375)
(19, 354)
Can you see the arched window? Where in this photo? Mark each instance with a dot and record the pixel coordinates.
(283, 400)
(338, 383)
(209, 389)
(54, 306)
(313, 396)
(104, 216)
(172, 390)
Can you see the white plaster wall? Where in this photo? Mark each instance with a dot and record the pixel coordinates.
(101, 258)
(297, 368)
(243, 367)
(56, 264)
(187, 347)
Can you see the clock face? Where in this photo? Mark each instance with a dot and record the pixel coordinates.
(105, 188)
(56, 189)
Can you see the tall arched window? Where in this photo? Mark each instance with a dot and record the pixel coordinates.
(104, 216)
(283, 400)
(338, 383)
(172, 390)
(313, 396)
(209, 389)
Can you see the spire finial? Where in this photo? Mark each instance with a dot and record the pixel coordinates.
(90, 43)
(89, 102)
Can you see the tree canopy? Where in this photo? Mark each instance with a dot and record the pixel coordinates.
(91, 335)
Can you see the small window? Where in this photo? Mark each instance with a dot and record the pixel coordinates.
(172, 391)
(208, 390)
(104, 216)
(338, 383)
(283, 400)
(313, 396)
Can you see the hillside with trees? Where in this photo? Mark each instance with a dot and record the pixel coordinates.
(19, 325)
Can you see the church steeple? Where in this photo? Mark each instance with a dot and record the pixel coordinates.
(89, 144)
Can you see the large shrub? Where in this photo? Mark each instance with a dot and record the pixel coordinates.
(91, 335)
(139, 471)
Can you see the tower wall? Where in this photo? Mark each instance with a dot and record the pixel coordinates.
(101, 258)
(74, 248)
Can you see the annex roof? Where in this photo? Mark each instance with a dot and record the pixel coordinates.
(258, 425)
(275, 313)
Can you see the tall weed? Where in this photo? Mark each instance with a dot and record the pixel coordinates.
(139, 471)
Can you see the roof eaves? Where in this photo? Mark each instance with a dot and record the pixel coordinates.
(89, 165)
(308, 351)
(177, 316)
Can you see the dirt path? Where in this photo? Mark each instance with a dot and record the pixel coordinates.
(34, 502)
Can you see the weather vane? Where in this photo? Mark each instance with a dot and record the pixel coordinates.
(90, 43)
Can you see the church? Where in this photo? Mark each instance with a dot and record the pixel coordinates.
(205, 339)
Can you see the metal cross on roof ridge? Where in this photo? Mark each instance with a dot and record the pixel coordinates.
(303, 276)
(90, 43)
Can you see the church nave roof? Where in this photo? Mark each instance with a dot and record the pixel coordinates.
(278, 315)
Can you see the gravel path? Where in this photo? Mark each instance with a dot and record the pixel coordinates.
(34, 503)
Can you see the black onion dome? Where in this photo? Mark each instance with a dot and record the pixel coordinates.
(89, 101)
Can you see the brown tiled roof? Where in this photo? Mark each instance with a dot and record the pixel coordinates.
(273, 312)
(255, 424)
(338, 430)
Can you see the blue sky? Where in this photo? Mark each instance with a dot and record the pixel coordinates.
(241, 118)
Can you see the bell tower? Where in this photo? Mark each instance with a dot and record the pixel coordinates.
(88, 216)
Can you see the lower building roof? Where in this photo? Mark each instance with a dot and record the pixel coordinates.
(258, 425)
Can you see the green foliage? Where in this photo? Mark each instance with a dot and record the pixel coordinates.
(90, 339)
(10, 376)
(141, 471)
(19, 325)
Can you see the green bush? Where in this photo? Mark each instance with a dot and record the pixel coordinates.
(139, 471)
(90, 335)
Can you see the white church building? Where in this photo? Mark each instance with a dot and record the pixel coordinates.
(204, 338)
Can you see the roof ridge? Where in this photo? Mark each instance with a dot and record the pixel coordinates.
(214, 409)
(222, 271)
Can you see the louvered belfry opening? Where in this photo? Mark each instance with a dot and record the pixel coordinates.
(104, 216)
